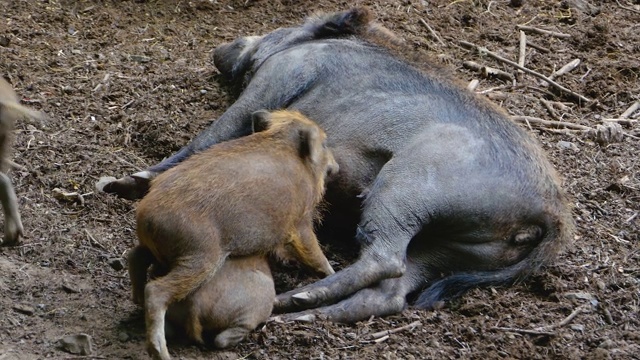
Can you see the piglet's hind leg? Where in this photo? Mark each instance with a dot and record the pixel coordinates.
(230, 337)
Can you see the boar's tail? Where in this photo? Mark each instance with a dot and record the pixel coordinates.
(559, 233)
(349, 22)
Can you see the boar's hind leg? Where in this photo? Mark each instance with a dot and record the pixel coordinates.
(12, 226)
(188, 273)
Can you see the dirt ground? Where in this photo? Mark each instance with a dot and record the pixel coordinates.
(125, 83)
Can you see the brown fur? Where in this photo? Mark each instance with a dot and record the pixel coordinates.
(10, 111)
(231, 304)
(247, 197)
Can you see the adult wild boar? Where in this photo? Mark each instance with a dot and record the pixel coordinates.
(10, 111)
(251, 196)
(442, 190)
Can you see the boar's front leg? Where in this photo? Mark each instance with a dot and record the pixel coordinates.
(234, 123)
(391, 217)
(265, 91)
(13, 225)
(387, 298)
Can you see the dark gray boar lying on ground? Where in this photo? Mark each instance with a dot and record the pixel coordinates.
(251, 196)
(442, 191)
(10, 111)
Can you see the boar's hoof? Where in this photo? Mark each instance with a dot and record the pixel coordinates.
(305, 318)
(303, 298)
(128, 187)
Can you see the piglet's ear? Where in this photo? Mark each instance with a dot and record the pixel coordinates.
(260, 121)
(310, 144)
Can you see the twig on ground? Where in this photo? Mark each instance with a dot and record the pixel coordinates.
(70, 196)
(523, 50)
(534, 30)
(538, 47)
(487, 71)
(484, 50)
(565, 69)
(432, 32)
(382, 334)
(550, 109)
(523, 331)
(624, 121)
(635, 106)
(627, 8)
(607, 316)
(547, 330)
(566, 320)
(94, 241)
(550, 123)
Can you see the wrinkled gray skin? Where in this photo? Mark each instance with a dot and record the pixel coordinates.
(444, 192)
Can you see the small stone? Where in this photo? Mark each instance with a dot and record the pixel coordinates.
(607, 344)
(516, 3)
(140, 58)
(567, 145)
(79, 344)
(123, 336)
(117, 264)
(4, 41)
(581, 295)
(24, 309)
(203, 91)
(351, 336)
(70, 288)
(577, 327)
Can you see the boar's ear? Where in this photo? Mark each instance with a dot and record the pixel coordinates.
(260, 121)
(352, 21)
(310, 144)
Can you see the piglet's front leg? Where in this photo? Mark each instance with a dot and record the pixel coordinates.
(13, 225)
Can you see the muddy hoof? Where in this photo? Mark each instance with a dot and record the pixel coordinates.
(126, 187)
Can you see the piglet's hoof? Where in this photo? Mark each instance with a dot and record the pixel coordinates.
(128, 187)
(12, 232)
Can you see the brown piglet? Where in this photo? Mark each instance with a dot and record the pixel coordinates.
(10, 111)
(228, 306)
(253, 196)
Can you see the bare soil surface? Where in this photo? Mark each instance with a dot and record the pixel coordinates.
(125, 83)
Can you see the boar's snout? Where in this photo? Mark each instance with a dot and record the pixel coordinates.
(228, 56)
(222, 59)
